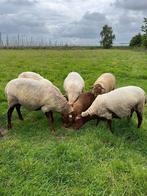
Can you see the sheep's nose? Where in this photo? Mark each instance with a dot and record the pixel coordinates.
(65, 125)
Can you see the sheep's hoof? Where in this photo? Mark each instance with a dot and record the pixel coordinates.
(3, 132)
(53, 131)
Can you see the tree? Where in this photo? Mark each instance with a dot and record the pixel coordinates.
(144, 27)
(144, 40)
(144, 30)
(136, 41)
(107, 37)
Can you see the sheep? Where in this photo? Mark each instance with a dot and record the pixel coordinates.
(104, 84)
(33, 75)
(34, 95)
(83, 103)
(73, 86)
(119, 103)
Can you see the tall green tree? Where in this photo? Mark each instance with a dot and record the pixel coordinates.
(144, 30)
(107, 37)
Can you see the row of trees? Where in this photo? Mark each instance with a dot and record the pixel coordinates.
(140, 39)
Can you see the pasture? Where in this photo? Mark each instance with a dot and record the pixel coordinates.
(91, 161)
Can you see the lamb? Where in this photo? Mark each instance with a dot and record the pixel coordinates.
(33, 75)
(119, 103)
(73, 86)
(83, 103)
(104, 84)
(35, 95)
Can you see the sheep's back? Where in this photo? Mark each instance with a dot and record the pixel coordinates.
(31, 93)
(32, 75)
(121, 100)
(73, 82)
(107, 80)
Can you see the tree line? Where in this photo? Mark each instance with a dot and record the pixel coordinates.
(107, 37)
(139, 40)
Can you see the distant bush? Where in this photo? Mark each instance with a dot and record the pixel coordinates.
(144, 41)
(136, 41)
(140, 40)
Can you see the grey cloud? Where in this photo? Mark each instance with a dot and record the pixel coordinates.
(15, 6)
(31, 20)
(127, 25)
(132, 4)
(60, 20)
(21, 2)
(88, 27)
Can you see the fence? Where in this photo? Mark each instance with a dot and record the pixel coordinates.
(26, 41)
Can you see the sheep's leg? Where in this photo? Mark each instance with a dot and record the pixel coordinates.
(109, 122)
(139, 116)
(9, 115)
(97, 122)
(19, 112)
(51, 113)
(129, 117)
(1, 135)
(50, 118)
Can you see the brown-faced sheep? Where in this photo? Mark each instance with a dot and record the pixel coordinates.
(104, 84)
(83, 103)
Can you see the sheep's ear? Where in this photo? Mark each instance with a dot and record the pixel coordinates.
(102, 88)
(71, 104)
(66, 97)
(70, 108)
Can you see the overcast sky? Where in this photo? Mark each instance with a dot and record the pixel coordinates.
(72, 21)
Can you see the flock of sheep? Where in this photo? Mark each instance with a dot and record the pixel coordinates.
(103, 102)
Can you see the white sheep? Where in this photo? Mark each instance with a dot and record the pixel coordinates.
(121, 102)
(35, 95)
(104, 84)
(73, 86)
(33, 75)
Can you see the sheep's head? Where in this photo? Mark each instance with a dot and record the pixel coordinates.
(65, 121)
(98, 89)
(67, 108)
(68, 119)
(79, 122)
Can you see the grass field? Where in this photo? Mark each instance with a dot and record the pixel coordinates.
(91, 161)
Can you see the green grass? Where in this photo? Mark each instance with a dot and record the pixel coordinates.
(91, 161)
